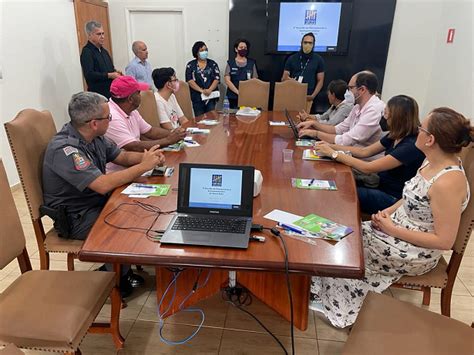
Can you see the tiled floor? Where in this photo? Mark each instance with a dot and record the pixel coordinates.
(226, 330)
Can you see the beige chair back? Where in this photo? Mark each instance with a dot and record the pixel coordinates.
(29, 134)
(12, 239)
(290, 95)
(386, 326)
(148, 109)
(183, 96)
(467, 218)
(254, 93)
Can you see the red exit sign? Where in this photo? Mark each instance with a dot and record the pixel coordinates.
(450, 38)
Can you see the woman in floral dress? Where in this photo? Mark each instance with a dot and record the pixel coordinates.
(409, 237)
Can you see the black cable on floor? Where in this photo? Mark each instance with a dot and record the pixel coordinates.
(277, 233)
(239, 296)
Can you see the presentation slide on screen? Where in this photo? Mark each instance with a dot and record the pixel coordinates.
(215, 188)
(298, 18)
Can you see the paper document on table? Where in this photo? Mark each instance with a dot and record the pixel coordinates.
(214, 95)
(285, 224)
(276, 123)
(208, 122)
(196, 130)
(305, 142)
(248, 111)
(191, 143)
(282, 216)
(147, 189)
(313, 184)
(310, 154)
(176, 147)
(323, 228)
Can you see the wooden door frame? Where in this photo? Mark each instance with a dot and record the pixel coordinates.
(177, 9)
(81, 30)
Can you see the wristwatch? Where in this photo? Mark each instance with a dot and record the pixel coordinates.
(335, 154)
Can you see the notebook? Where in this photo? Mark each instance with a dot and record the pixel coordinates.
(294, 128)
(215, 206)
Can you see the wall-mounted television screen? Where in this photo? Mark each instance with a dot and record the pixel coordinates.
(329, 21)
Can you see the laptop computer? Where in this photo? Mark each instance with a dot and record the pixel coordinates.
(215, 206)
(294, 128)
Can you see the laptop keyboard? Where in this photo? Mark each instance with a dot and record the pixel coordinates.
(203, 224)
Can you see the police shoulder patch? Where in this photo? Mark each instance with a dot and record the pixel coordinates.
(69, 150)
(80, 163)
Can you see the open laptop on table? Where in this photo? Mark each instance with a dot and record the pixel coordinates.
(294, 128)
(215, 206)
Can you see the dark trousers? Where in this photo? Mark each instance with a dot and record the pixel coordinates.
(201, 107)
(81, 224)
(374, 200)
(233, 103)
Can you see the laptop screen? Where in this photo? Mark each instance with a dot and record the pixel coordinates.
(216, 189)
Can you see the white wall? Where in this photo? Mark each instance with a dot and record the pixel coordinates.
(39, 56)
(206, 20)
(420, 62)
(453, 85)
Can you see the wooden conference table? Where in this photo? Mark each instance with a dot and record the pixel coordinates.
(239, 140)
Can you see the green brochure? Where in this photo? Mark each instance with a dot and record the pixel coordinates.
(323, 228)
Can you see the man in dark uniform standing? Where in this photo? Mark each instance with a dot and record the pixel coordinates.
(96, 62)
(75, 185)
(306, 66)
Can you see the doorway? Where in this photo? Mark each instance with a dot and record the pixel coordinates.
(163, 33)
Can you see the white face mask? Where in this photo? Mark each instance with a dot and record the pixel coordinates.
(349, 97)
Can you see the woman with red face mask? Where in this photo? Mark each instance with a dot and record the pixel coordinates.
(239, 69)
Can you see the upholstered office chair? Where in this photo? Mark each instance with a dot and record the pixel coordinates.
(148, 109)
(254, 93)
(29, 134)
(444, 274)
(183, 96)
(392, 327)
(290, 95)
(44, 309)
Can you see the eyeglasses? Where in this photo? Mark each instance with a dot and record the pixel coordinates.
(171, 80)
(424, 130)
(109, 117)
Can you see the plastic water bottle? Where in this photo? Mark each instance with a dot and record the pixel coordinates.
(226, 106)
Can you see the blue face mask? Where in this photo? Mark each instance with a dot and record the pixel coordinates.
(203, 55)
